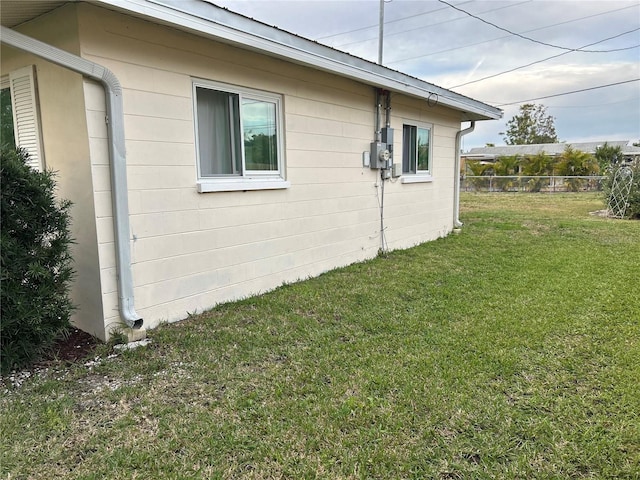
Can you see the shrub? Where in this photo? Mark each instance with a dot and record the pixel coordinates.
(36, 262)
(574, 162)
(608, 155)
(633, 209)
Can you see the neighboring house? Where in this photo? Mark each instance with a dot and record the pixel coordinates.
(245, 151)
(490, 154)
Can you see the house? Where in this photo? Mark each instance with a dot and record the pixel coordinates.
(490, 154)
(210, 157)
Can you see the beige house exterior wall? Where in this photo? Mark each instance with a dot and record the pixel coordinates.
(193, 250)
(190, 250)
(66, 151)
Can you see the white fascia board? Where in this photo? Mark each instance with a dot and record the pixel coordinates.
(206, 19)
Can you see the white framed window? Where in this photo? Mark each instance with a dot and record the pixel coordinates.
(417, 155)
(20, 122)
(239, 138)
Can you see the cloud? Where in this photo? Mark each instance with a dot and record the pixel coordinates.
(432, 41)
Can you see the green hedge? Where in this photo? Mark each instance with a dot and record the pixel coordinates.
(36, 262)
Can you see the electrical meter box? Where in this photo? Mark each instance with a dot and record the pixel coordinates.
(380, 155)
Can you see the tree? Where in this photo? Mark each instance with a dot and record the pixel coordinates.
(576, 163)
(477, 169)
(261, 151)
(536, 166)
(531, 125)
(505, 166)
(608, 155)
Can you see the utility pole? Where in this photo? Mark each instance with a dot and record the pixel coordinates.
(381, 32)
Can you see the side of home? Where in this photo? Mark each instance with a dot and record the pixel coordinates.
(244, 170)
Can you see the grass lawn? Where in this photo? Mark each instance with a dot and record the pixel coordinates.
(510, 350)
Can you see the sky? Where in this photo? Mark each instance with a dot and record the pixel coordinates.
(454, 45)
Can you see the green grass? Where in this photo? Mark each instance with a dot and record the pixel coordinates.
(510, 350)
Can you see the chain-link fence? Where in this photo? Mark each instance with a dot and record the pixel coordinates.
(513, 183)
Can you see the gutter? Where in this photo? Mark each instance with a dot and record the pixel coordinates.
(204, 18)
(117, 159)
(456, 178)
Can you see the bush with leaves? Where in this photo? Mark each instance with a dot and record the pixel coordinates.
(608, 155)
(536, 166)
(506, 166)
(574, 162)
(633, 202)
(36, 262)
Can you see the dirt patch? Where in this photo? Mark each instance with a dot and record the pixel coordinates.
(77, 346)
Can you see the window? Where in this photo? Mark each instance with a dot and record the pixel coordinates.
(416, 153)
(238, 137)
(19, 122)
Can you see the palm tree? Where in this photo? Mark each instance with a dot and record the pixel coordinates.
(576, 163)
(477, 169)
(504, 166)
(536, 166)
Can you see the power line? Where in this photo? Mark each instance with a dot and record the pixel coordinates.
(523, 36)
(422, 27)
(386, 23)
(626, 100)
(507, 36)
(565, 93)
(548, 58)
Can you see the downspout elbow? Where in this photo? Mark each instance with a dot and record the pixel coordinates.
(128, 313)
(456, 183)
(117, 157)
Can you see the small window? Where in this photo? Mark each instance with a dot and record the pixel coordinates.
(416, 150)
(239, 138)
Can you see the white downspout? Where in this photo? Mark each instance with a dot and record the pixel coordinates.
(117, 160)
(456, 178)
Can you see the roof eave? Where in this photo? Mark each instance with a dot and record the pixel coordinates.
(217, 23)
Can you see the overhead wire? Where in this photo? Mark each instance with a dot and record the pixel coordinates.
(422, 27)
(626, 100)
(566, 93)
(507, 36)
(523, 36)
(545, 59)
(386, 22)
(511, 33)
